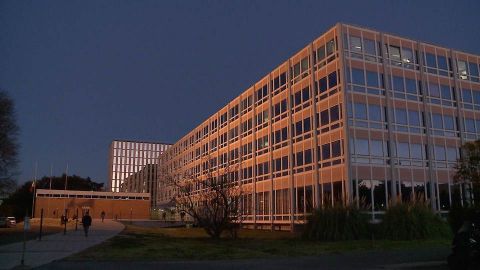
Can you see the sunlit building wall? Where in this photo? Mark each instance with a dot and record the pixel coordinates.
(356, 116)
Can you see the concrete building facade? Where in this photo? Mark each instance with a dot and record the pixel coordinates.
(355, 116)
(133, 166)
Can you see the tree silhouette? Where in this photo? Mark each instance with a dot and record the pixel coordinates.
(468, 171)
(8, 143)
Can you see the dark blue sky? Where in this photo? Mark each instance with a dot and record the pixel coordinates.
(85, 72)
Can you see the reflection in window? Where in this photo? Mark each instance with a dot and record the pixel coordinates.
(462, 70)
(355, 44)
(394, 52)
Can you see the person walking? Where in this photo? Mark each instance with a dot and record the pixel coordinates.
(86, 222)
(102, 215)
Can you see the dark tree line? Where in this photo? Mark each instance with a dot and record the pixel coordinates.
(19, 202)
(8, 143)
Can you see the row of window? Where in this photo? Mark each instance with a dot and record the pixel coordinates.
(438, 64)
(405, 120)
(375, 151)
(261, 95)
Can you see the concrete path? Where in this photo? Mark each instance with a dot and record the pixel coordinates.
(57, 246)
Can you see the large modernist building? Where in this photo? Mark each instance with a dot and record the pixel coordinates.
(133, 166)
(357, 115)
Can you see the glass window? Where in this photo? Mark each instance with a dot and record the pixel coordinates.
(308, 156)
(305, 94)
(437, 121)
(296, 70)
(306, 124)
(334, 113)
(473, 68)
(394, 52)
(449, 122)
(430, 60)
(321, 53)
(298, 128)
(336, 149)
(452, 154)
(446, 92)
(355, 44)
(322, 84)
(325, 151)
(376, 148)
(414, 118)
(476, 97)
(361, 147)
(433, 90)
(324, 118)
(397, 84)
(358, 76)
(439, 152)
(297, 98)
(407, 55)
(374, 112)
(462, 69)
(411, 86)
(360, 111)
(416, 151)
(401, 116)
(372, 78)
(442, 62)
(467, 96)
(330, 47)
(469, 125)
(299, 159)
(332, 79)
(402, 150)
(304, 64)
(369, 46)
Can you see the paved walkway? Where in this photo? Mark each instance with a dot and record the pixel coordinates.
(57, 246)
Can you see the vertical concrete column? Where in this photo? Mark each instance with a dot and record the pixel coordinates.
(346, 128)
(270, 148)
(290, 150)
(424, 84)
(316, 177)
(389, 115)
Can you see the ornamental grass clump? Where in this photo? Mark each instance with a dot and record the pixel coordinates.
(412, 220)
(336, 223)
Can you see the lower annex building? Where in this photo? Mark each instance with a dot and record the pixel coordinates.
(356, 116)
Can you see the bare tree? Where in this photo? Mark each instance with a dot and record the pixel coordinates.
(212, 201)
(468, 171)
(8, 143)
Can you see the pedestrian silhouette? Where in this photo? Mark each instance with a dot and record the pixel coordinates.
(87, 222)
(102, 215)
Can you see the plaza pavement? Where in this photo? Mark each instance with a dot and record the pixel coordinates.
(57, 246)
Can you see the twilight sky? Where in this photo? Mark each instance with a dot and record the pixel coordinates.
(83, 73)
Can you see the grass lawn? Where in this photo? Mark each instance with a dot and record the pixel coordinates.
(15, 234)
(140, 243)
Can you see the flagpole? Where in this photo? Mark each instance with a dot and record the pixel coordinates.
(66, 177)
(66, 183)
(51, 175)
(34, 188)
